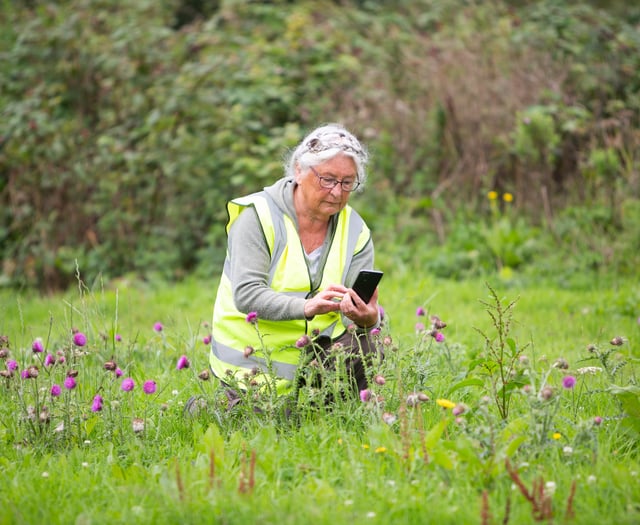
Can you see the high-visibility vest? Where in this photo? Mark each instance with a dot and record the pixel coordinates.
(273, 342)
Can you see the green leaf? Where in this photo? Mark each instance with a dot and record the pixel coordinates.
(431, 439)
(471, 381)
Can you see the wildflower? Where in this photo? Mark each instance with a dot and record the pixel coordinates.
(24, 374)
(32, 371)
(597, 421)
(380, 450)
(118, 338)
(128, 384)
(49, 360)
(252, 317)
(387, 341)
(556, 436)
(381, 312)
(420, 311)
(589, 370)
(45, 474)
(546, 393)
(445, 403)
(567, 450)
(439, 337)
(549, 488)
(248, 350)
(303, 341)
(561, 363)
(389, 418)
(493, 195)
(591, 479)
(375, 331)
(149, 387)
(507, 197)
(458, 410)
(437, 323)
(110, 365)
(79, 339)
(419, 327)
(365, 395)
(137, 424)
(96, 406)
(412, 399)
(157, 327)
(4, 353)
(568, 382)
(72, 373)
(183, 362)
(55, 390)
(204, 375)
(37, 346)
(206, 339)
(12, 365)
(118, 372)
(617, 341)
(379, 379)
(69, 382)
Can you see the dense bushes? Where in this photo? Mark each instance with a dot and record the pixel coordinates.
(126, 127)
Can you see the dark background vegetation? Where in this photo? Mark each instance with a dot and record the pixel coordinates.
(126, 126)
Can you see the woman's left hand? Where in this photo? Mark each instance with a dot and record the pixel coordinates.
(365, 315)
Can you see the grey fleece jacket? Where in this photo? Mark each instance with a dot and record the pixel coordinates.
(249, 260)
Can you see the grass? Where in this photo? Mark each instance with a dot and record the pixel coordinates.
(374, 462)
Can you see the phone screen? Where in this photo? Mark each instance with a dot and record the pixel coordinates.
(366, 283)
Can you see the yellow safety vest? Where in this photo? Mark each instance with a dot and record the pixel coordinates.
(273, 342)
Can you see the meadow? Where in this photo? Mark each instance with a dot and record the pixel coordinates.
(524, 409)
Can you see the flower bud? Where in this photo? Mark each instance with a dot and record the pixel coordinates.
(248, 350)
(379, 379)
(617, 341)
(204, 375)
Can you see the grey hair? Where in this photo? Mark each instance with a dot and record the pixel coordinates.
(324, 143)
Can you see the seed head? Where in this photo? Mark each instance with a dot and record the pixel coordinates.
(204, 375)
(4, 353)
(437, 323)
(546, 393)
(617, 341)
(110, 365)
(33, 372)
(561, 363)
(379, 379)
(389, 418)
(248, 350)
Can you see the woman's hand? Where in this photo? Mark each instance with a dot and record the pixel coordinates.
(329, 300)
(365, 315)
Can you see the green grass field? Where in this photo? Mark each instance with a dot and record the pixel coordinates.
(503, 437)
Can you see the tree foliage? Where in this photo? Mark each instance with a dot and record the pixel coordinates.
(126, 126)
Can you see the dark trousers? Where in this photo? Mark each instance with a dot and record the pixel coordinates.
(362, 351)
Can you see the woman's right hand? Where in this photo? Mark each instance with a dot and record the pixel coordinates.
(327, 300)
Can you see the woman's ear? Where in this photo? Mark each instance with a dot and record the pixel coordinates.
(297, 173)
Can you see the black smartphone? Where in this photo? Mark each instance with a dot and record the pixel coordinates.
(366, 283)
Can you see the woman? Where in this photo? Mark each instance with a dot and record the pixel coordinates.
(293, 251)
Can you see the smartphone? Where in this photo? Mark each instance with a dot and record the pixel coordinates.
(366, 283)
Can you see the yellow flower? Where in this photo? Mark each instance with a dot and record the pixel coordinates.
(556, 435)
(493, 195)
(365, 446)
(339, 441)
(381, 449)
(445, 403)
(507, 197)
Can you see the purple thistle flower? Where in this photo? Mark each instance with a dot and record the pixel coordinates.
(439, 337)
(206, 339)
(25, 374)
(568, 382)
(420, 311)
(183, 362)
(37, 346)
(49, 360)
(56, 390)
(158, 327)
(303, 341)
(149, 387)
(127, 384)
(96, 406)
(118, 338)
(118, 372)
(375, 331)
(79, 339)
(252, 317)
(381, 311)
(597, 420)
(365, 395)
(69, 383)
(419, 327)
(12, 365)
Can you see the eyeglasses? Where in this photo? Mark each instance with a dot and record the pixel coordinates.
(329, 183)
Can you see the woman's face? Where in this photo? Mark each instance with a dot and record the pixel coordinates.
(323, 202)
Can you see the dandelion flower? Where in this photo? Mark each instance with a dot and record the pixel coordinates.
(183, 362)
(149, 387)
(507, 197)
(568, 382)
(79, 339)
(493, 195)
(157, 327)
(37, 346)
(128, 384)
(56, 390)
(445, 403)
(69, 383)
(252, 317)
(380, 450)
(556, 436)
